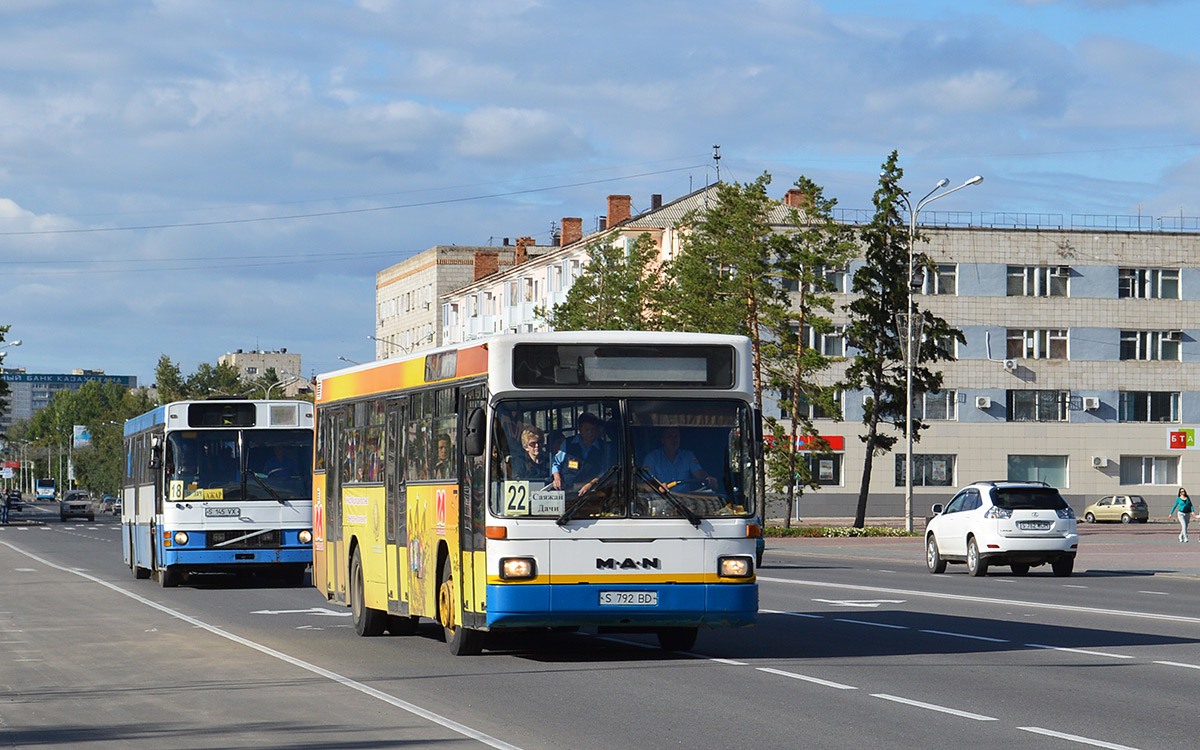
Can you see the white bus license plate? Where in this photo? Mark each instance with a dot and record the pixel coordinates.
(222, 512)
(628, 598)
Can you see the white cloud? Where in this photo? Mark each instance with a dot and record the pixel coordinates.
(510, 134)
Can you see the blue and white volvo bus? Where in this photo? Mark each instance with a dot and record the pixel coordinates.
(218, 485)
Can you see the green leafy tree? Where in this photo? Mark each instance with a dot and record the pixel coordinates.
(169, 378)
(219, 379)
(802, 259)
(617, 289)
(724, 279)
(881, 291)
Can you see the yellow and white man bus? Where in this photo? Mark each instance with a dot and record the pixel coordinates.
(544, 480)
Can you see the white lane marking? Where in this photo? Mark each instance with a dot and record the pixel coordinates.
(317, 611)
(965, 635)
(25, 570)
(1178, 664)
(792, 614)
(1073, 586)
(806, 678)
(1076, 738)
(932, 707)
(873, 624)
(1079, 651)
(404, 705)
(985, 600)
(859, 602)
(1156, 593)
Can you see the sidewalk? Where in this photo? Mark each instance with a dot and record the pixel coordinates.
(1145, 549)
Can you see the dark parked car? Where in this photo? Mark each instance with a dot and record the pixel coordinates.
(14, 500)
(76, 504)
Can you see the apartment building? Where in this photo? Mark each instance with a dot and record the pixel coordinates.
(1080, 366)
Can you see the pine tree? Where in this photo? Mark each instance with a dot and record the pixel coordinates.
(723, 280)
(802, 257)
(881, 289)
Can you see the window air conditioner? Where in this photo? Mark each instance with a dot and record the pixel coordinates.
(1099, 462)
(983, 402)
(1091, 403)
(1010, 364)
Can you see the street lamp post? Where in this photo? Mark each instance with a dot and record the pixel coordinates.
(908, 333)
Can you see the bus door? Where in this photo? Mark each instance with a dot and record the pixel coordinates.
(397, 507)
(471, 506)
(335, 472)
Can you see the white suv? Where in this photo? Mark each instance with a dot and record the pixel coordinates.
(1019, 524)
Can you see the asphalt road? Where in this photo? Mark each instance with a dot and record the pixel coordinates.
(857, 647)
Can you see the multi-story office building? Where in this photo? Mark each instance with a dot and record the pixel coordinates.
(253, 364)
(1079, 366)
(29, 393)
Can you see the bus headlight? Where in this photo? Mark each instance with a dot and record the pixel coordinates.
(517, 568)
(734, 567)
(306, 537)
(181, 538)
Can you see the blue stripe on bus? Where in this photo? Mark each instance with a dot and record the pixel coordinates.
(712, 605)
(145, 421)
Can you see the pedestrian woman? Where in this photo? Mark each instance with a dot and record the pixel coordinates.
(1182, 509)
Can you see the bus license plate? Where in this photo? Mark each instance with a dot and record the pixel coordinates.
(222, 512)
(628, 598)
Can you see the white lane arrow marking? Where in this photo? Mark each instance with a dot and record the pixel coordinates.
(316, 611)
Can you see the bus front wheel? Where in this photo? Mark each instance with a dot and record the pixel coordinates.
(367, 622)
(461, 640)
(168, 577)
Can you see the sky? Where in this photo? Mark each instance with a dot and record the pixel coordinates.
(193, 177)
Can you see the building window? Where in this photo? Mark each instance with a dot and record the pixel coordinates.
(1148, 283)
(1049, 469)
(251, 370)
(831, 343)
(1038, 281)
(928, 470)
(945, 281)
(814, 411)
(1148, 406)
(1151, 345)
(1150, 470)
(1040, 343)
(1038, 406)
(940, 406)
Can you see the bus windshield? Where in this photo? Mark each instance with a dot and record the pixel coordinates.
(239, 465)
(573, 459)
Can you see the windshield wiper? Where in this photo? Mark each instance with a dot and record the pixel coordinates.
(270, 490)
(575, 506)
(669, 496)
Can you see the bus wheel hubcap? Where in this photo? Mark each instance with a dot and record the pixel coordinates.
(446, 604)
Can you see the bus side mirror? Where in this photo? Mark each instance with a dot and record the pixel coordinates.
(156, 451)
(474, 432)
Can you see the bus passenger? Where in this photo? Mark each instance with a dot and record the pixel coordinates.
(443, 462)
(583, 458)
(531, 462)
(671, 464)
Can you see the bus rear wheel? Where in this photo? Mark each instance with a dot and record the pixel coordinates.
(461, 640)
(367, 622)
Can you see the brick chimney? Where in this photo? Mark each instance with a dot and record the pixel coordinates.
(486, 263)
(521, 254)
(797, 199)
(572, 230)
(618, 209)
